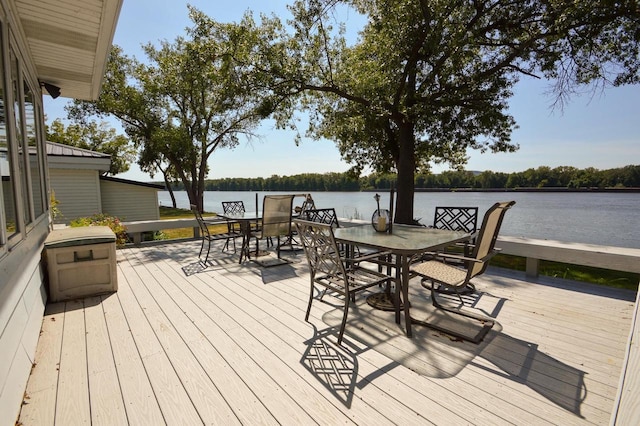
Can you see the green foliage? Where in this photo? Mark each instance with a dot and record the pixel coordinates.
(95, 137)
(102, 219)
(427, 81)
(53, 205)
(194, 96)
(554, 179)
(606, 277)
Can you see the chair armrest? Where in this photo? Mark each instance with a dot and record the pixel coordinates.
(446, 256)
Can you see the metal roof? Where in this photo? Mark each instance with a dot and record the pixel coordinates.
(61, 150)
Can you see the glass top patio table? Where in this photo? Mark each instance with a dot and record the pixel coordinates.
(405, 241)
(244, 219)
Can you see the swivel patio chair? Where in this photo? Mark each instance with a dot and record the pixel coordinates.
(457, 277)
(276, 222)
(457, 219)
(328, 269)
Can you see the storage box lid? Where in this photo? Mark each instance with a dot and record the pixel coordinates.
(79, 236)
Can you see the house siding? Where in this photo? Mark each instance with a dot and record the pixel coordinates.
(22, 272)
(129, 201)
(78, 192)
(22, 301)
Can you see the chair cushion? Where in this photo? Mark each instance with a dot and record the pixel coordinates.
(441, 272)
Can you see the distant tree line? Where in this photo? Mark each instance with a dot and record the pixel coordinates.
(541, 177)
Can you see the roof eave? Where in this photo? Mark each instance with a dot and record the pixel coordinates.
(69, 42)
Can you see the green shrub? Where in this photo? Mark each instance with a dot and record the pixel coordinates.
(102, 219)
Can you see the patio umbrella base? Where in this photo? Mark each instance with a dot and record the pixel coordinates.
(382, 301)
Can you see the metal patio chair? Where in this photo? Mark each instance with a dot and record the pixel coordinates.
(326, 215)
(232, 207)
(457, 219)
(328, 270)
(276, 220)
(208, 237)
(437, 271)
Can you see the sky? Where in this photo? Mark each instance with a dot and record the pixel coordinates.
(596, 129)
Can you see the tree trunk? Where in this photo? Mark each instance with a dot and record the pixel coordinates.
(406, 170)
(167, 183)
(195, 198)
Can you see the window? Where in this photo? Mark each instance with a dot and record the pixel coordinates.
(16, 83)
(22, 154)
(9, 218)
(36, 156)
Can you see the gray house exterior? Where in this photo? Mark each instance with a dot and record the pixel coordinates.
(59, 49)
(77, 183)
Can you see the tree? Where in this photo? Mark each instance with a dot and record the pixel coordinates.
(195, 96)
(428, 80)
(95, 137)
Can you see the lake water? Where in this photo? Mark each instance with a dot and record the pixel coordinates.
(595, 218)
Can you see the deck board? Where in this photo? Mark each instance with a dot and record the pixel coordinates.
(140, 402)
(179, 344)
(107, 405)
(73, 383)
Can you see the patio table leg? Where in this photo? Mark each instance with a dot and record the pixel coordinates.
(398, 288)
(405, 293)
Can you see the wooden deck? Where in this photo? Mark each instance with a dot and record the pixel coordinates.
(178, 344)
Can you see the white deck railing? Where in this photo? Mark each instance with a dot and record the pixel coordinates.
(597, 256)
(135, 229)
(534, 250)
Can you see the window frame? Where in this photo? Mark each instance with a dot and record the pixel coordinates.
(20, 168)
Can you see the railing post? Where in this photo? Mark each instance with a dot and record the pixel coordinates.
(533, 267)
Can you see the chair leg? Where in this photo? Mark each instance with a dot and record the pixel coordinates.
(306, 317)
(244, 250)
(323, 293)
(201, 248)
(225, 248)
(347, 298)
(206, 258)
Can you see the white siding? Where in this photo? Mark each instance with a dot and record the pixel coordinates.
(129, 202)
(78, 192)
(22, 300)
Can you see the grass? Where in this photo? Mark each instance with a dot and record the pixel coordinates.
(180, 233)
(171, 213)
(607, 277)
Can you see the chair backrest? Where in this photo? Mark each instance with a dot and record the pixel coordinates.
(322, 253)
(456, 218)
(308, 203)
(487, 236)
(203, 226)
(327, 216)
(233, 207)
(276, 215)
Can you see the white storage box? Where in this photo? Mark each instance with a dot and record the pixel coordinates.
(81, 262)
